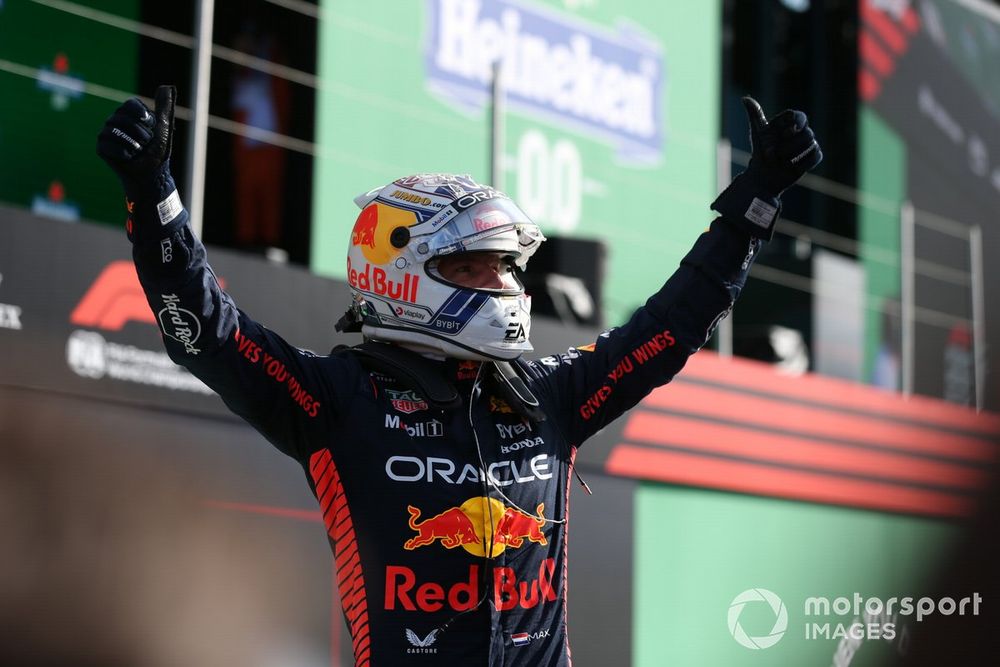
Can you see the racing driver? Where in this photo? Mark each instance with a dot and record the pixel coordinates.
(439, 402)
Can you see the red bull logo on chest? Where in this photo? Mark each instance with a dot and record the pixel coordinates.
(404, 591)
(482, 526)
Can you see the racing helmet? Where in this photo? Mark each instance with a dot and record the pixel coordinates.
(399, 295)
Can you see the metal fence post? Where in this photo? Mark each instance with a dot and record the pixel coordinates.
(201, 75)
(978, 312)
(723, 175)
(907, 301)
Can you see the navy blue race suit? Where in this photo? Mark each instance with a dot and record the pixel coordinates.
(400, 484)
(448, 527)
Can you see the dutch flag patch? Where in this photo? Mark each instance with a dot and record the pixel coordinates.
(520, 638)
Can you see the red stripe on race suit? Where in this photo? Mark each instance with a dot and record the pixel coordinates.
(340, 528)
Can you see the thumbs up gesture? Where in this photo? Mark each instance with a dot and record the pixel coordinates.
(783, 149)
(136, 142)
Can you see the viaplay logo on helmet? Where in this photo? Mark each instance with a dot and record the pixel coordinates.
(602, 82)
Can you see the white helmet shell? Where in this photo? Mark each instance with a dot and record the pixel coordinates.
(403, 230)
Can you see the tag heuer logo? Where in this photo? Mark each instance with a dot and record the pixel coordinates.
(406, 401)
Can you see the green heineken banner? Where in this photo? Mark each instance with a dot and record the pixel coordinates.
(611, 118)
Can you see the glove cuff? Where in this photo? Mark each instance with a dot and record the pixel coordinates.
(154, 207)
(748, 206)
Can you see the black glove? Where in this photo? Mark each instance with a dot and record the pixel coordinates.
(136, 144)
(783, 149)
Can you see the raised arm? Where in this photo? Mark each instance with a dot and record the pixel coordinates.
(595, 384)
(287, 394)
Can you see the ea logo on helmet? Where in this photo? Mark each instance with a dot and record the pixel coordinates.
(756, 595)
(373, 228)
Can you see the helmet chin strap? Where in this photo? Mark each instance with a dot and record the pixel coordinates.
(424, 350)
(351, 321)
(411, 367)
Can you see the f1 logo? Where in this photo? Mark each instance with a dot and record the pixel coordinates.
(116, 298)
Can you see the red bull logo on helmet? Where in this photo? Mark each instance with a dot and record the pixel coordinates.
(377, 281)
(373, 228)
(482, 526)
(364, 228)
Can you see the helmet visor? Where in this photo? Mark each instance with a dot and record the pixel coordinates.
(495, 225)
(478, 270)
